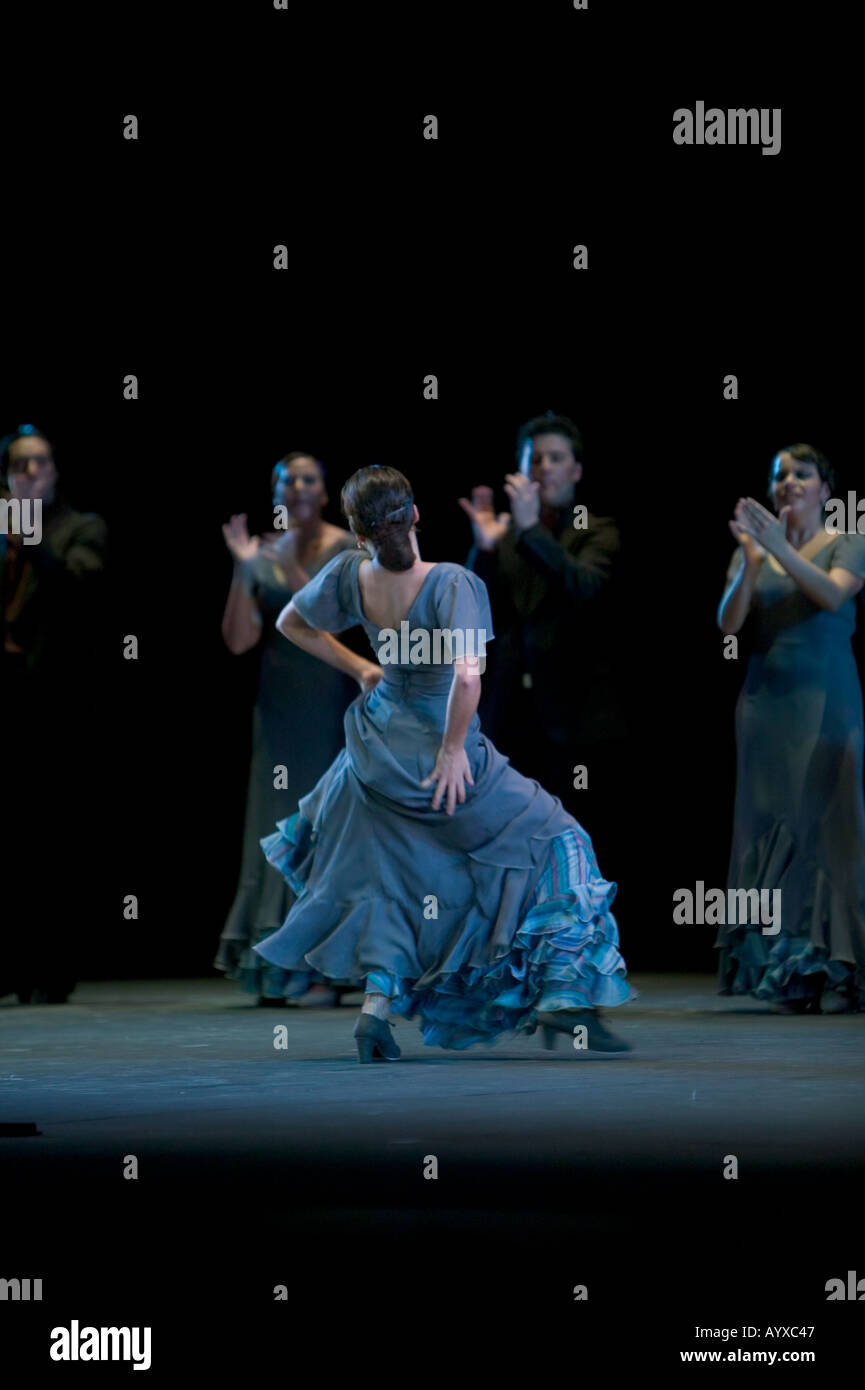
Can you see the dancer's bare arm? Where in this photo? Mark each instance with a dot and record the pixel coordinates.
(325, 646)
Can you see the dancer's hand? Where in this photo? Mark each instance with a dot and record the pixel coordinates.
(369, 676)
(487, 527)
(451, 772)
(754, 523)
(237, 538)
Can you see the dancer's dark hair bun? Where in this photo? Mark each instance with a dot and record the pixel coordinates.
(378, 503)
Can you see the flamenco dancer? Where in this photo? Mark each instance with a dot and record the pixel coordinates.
(477, 906)
(799, 821)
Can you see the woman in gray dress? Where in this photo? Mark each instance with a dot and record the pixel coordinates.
(799, 824)
(463, 892)
(297, 720)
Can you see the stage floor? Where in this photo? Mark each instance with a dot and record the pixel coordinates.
(610, 1167)
(190, 1065)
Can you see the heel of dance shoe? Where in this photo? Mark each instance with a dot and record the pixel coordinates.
(375, 1040)
(366, 1049)
(598, 1036)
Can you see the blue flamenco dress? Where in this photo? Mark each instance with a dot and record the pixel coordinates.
(469, 922)
(799, 824)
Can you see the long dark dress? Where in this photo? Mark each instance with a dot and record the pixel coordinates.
(470, 920)
(296, 723)
(799, 823)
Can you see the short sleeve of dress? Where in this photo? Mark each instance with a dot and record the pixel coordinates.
(327, 601)
(848, 553)
(463, 605)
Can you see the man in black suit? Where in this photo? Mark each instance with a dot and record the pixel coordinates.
(50, 691)
(551, 697)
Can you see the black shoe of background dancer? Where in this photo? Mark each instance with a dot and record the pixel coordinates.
(23, 992)
(48, 992)
(53, 991)
(27, 992)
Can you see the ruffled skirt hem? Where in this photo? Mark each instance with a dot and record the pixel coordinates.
(792, 968)
(255, 975)
(564, 953)
(816, 952)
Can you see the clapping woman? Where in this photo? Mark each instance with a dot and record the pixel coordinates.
(799, 822)
(297, 720)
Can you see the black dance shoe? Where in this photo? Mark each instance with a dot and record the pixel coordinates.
(598, 1036)
(49, 992)
(374, 1040)
(54, 989)
(22, 991)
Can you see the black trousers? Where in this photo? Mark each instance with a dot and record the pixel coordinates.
(601, 806)
(46, 841)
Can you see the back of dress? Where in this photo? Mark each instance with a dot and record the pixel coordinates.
(449, 617)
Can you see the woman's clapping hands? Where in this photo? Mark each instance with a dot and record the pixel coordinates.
(758, 531)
